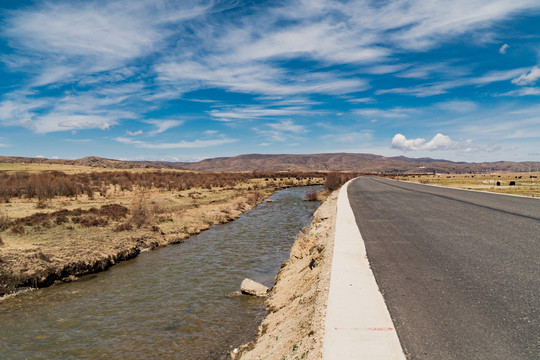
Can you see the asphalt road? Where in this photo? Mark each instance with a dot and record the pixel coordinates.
(459, 270)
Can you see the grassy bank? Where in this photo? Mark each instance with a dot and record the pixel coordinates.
(56, 226)
(524, 184)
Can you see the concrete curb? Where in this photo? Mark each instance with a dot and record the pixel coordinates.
(358, 324)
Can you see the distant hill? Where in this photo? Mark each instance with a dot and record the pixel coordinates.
(349, 162)
(91, 161)
(368, 163)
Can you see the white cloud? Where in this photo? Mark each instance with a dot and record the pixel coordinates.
(195, 144)
(460, 106)
(439, 142)
(134, 133)
(281, 131)
(364, 100)
(254, 78)
(101, 36)
(94, 109)
(529, 78)
(444, 70)
(241, 55)
(349, 137)
(62, 122)
(257, 111)
(503, 49)
(524, 91)
(384, 113)
(442, 87)
(288, 125)
(163, 125)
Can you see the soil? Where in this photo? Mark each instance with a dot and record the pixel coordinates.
(294, 326)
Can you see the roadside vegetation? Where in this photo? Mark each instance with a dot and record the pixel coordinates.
(56, 225)
(523, 183)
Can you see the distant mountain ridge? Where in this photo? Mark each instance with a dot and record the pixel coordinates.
(349, 162)
(368, 163)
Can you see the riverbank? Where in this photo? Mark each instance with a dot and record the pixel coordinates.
(294, 326)
(64, 238)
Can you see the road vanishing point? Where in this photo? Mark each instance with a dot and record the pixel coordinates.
(459, 270)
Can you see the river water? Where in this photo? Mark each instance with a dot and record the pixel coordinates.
(170, 303)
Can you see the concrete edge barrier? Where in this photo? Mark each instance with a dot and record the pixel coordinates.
(358, 324)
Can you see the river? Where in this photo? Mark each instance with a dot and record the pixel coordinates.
(170, 303)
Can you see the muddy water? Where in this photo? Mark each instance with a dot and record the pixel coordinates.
(171, 303)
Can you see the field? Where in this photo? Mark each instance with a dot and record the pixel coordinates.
(524, 184)
(57, 225)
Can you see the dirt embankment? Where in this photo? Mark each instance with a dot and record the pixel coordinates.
(294, 326)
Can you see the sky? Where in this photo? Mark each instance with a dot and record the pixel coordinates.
(188, 80)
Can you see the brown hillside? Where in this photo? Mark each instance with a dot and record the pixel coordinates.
(349, 162)
(288, 162)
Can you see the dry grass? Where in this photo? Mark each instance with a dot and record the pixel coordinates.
(88, 233)
(68, 169)
(526, 184)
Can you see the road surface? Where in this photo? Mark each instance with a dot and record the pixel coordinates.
(459, 270)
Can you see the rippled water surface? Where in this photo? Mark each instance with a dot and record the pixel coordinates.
(171, 303)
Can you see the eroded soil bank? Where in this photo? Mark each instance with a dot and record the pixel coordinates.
(294, 326)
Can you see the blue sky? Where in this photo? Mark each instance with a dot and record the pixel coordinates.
(186, 80)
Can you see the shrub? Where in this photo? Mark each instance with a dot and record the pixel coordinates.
(124, 227)
(60, 219)
(18, 229)
(92, 220)
(41, 204)
(1, 241)
(333, 181)
(255, 197)
(140, 215)
(113, 211)
(512, 183)
(5, 222)
(311, 195)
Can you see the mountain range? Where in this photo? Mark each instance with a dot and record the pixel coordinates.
(365, 163)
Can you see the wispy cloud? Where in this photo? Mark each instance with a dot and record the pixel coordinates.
(460, 106)
(442, 87)
(528, 78)
(254, 78)
(163, 125)
(384, 113)
(349, 137)
(364, 100)
(144, 68)
(101, 36)
(231, 113)
(195, 144)
(288, 125)
(524, 91)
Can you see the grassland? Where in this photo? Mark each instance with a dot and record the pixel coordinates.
(523, 184)
(57, 226)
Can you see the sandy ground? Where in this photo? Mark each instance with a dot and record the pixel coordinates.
(294, 326)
